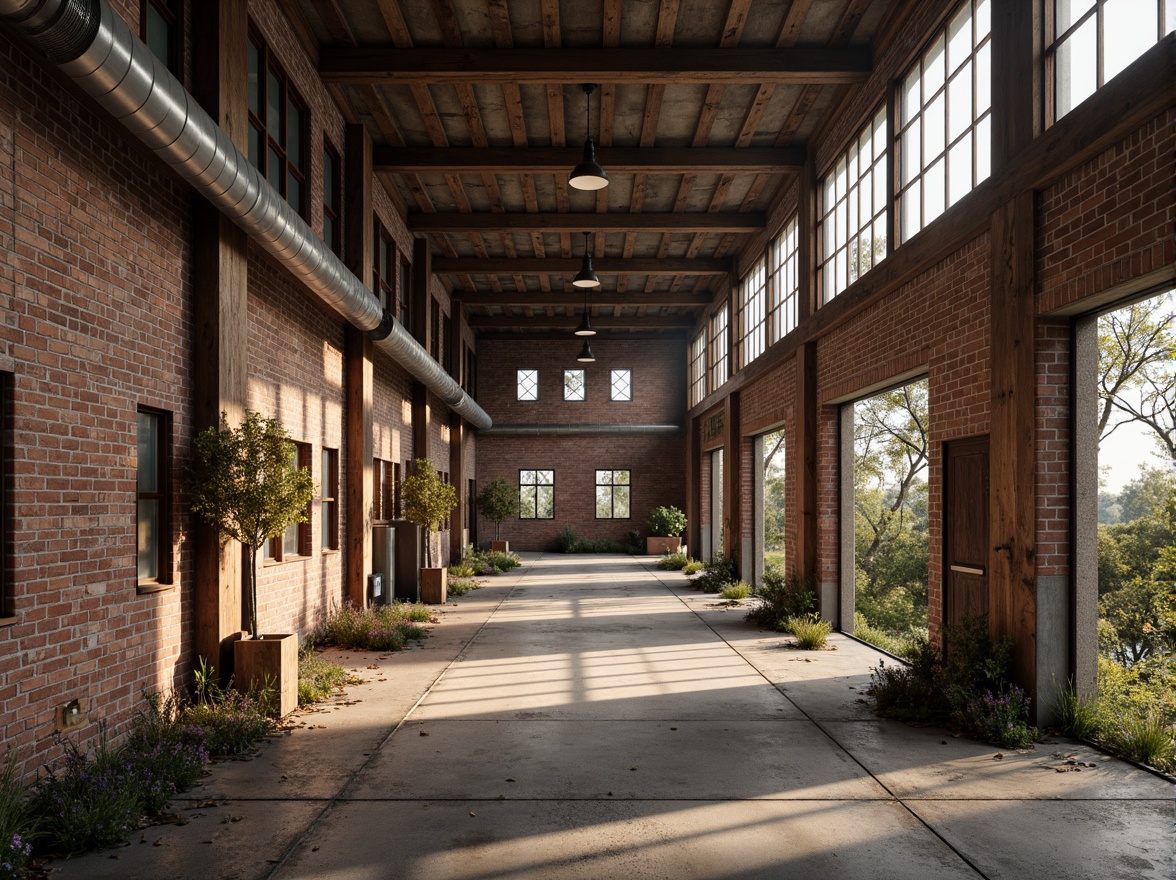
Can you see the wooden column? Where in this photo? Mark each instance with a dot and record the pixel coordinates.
(732, 479)
(359, 378)
(422, 279)
(1016, 90)
(803, 451)
(1012, 523)
(693, 466)
(220, 313)
(457, 480)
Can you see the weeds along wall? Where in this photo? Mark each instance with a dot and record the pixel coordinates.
(96, 323)
(653, 459)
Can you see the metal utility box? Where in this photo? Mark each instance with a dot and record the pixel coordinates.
(383, 564)
(407, 585)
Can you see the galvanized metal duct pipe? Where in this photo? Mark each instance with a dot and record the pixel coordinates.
(95, 48)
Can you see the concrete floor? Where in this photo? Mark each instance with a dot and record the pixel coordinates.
(591, 717)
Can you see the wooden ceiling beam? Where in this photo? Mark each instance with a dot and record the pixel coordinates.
(394, 66)
(710, 222)
(574, 299)
(560, 266)
(609, 322)
(618, 160)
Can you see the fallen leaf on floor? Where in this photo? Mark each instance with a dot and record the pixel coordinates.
(115, 856)
(998, 756)
(206, 841)
(371, 666)
(509, 779)
(158, 842)
(673, 728)
(424, 733)
(381, 679)
(634, 767)
(502, 797)
(472, 813)
(314, 849)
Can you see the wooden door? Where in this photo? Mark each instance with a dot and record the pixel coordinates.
(965, 529)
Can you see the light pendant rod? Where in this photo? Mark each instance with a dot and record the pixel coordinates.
(586, 278)
(588, 175)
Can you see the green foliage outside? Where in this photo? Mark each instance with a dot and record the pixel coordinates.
(428, 500)
(890, 512)
(775, 508)
(811, 632)
(673, 561)
(735, 592)
(245, 483)
(967, 685)
(460, 586)
(693, 566)
(17, 825)
(899, 646)
(567, 541)
(375, 628)
(782, 598)
(716, 574)
(484, 562)
(498, 501)
(667, 522)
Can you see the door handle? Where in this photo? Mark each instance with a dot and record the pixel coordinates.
(967, 569)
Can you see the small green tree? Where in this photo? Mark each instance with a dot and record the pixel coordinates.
(245, 483)
(427, 501)
(498, 501)
(667, 522)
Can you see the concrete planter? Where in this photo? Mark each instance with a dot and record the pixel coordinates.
(269, 659)
(500, 546)
(434, 585)
(658, 546)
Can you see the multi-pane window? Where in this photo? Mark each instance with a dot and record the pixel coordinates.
(753, 313)
(435, 329)
(7, 596)
(536, 494)
(469, 373)
(385, 480)
(783, 282)
(277, 126)
(154, 497)
(945, 134)
(332, 192)
(404, 310)
(160, 27)
(612, 494)
(527, 384)
(718, 347)
(573, 384)
(852, 228)
(1093, 40)
(446, 344)
(329, 481)
(698, 369)
(620, 385)
(384, 267)
(295, 540)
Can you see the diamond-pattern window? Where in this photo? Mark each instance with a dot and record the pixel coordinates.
(621, 385)
(573, 384)
(528, 384)
(612, 494)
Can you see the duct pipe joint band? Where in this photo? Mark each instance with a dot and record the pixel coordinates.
(385, 328)
(63, 29)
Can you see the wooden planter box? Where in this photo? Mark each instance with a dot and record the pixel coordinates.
(269, 659)
(500, 546)
(434, 585)
(658, 546)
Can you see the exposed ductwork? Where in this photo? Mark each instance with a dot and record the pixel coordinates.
(96, 49)
(589, 428)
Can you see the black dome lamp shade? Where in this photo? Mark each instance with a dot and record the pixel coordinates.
(586, 355)
(588, 175)
(586, 278)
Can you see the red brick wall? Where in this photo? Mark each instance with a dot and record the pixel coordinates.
(767, 405)
(1053, 358)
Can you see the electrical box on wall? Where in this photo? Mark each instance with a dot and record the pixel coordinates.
(71, 715)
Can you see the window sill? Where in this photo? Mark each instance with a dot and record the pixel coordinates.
(271, 562)
(147, 589)
(330, 551)
(8, 621)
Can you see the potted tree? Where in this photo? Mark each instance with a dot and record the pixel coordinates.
(667, 525)
(427, 501)
(498, 501)
(244, 482)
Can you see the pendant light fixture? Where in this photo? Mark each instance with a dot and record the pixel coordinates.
(588, 175)
(585, 328)
(586, 278)
(586, 355)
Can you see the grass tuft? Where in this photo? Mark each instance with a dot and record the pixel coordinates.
(376, 628)
(735, 591)
(811, 633)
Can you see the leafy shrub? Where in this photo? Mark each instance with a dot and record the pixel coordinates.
(999, 718)
(667, 522)
(491, 562)
(375, 628)
(462, 585)
(319, 677)
(735, 591)
(500, 562)
(673, 561)
(899, 645)
(232, 721)
(168, 755)
(90, 803)
(16, 822)
(1148, 740)
(463, 569)
(783, 597)
(811, 632)
(715, 575)
(693, 567)
(567, 541)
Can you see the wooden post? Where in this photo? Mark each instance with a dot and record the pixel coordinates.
(732, 480)
(457, 480)
(693, 466)
(220, 313)
(359, 379)
(422, 279)
(1012, 529)
(1016, 91)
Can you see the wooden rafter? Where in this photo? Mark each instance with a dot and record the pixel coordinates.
(604, 322)
(572, 297)
(569, 266)
(537, 223)
(619, 160)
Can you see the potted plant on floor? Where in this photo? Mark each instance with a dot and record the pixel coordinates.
(498, 501)
(245, 483)
(667, 525)
(427, 501)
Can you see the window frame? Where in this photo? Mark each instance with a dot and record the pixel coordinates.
(697, 367)
(522, 376)
(613, 394)
(173, 13)
(266, 67)
(784, 281)
(333, 207)
(163, 498)
(612, 485)
(274, 549)
(877, 127)
(582, 388)
(537, 485)
(752, 313)
(718, 348)
(384, 266)
(980, 164)
(404, 291)
(329, 495)
(8, 614)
